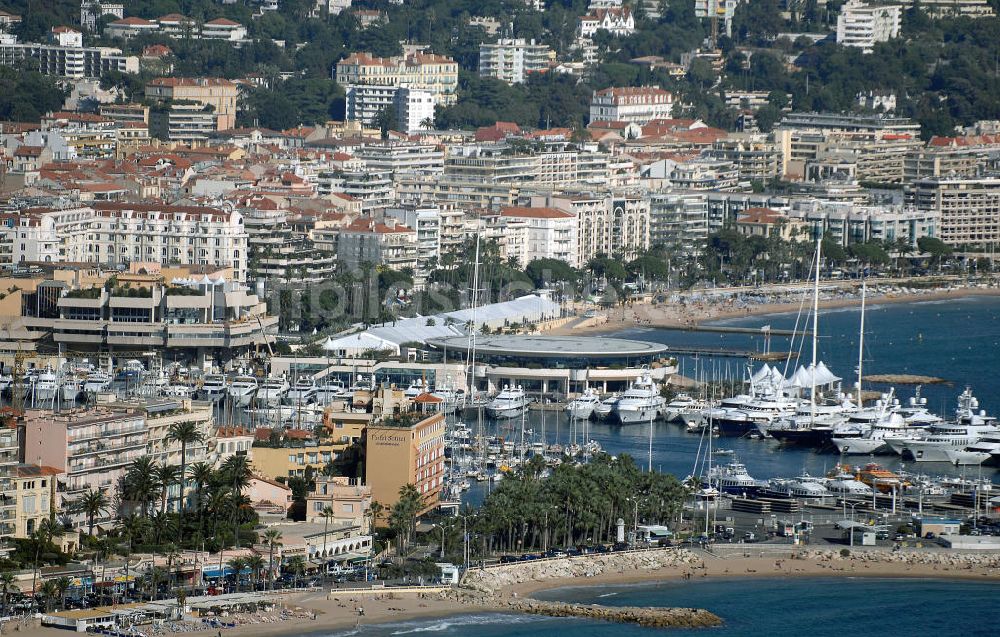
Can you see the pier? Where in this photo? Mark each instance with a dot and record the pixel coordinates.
(731, 353)
(727, 329)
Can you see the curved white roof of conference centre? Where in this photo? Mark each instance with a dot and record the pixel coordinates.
(549, 346)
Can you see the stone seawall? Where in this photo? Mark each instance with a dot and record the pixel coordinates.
(499, 578)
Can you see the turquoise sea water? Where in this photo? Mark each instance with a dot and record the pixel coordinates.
(844, 607)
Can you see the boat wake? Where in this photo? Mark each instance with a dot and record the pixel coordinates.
(441, 625)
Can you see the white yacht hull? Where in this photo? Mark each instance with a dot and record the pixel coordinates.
(70, 392)
(860, 446)
(580, 412)
(45, 393)
(921, 451)
(242, 399)
(296, 397)
(960, 457)
(270, 398)
(633, 415)
(503, 413)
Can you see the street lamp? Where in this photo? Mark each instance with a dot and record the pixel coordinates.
(853, 506)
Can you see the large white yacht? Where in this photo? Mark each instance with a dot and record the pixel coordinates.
(272, 391)
(242, 390)
(642, 402)
(582, 407)
(46, 386)
(303, 391)
(213, 387)
(329, 389)
(933, 444)
(97, 381)
(681, 402)
(509, 403)
(604, 409)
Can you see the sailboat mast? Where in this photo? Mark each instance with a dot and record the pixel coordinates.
(861, 337)
(815, 331)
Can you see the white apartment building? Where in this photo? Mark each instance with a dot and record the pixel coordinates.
(635, 104)
(414, 107)
(679, 221)
(969, 209)
(66, 60)
(426, 221)
(435, 74)
(112, 233)
(607, 223)
(512, 60)
(863, 25)
(92, 10)
(402, 157)
(848, 223)
(544, 233)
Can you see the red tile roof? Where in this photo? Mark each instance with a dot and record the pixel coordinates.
(535, 213)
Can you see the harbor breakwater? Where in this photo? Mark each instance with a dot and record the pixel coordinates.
(500, 578)
(491, 588)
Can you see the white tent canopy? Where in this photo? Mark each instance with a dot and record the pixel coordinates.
(820, 376)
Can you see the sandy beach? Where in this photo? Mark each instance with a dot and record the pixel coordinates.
(755, 567)
(691, 309)
(339, 611)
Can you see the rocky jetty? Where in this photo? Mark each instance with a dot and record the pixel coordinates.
(653, 617)
(642, 616)
(490, 588)
(912, 558)
(500, 578)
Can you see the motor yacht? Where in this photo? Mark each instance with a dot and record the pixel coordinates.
(604, 409)
(46, 386)
(509, 403)
(242, 390)
(302, 392)
(640, 403)
(272, 391)
(582, 407)
(213, 387)
(329, 389)
(97, 381)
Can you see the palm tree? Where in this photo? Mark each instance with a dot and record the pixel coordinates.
(237, 472)
(374, 513)
(297, 566)
(238, 565)
(62, 587)
(328, 515)
(46, 531)
(201, 474)
(166, 477)
(140, 485)
(404, 514)
(256, 565)
(49, 593)
(92, 504)
(427, 123)
(272, 537)
(7, 580)
(186, 433)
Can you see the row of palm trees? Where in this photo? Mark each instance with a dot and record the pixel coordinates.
(209, 505)
(575, 505)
